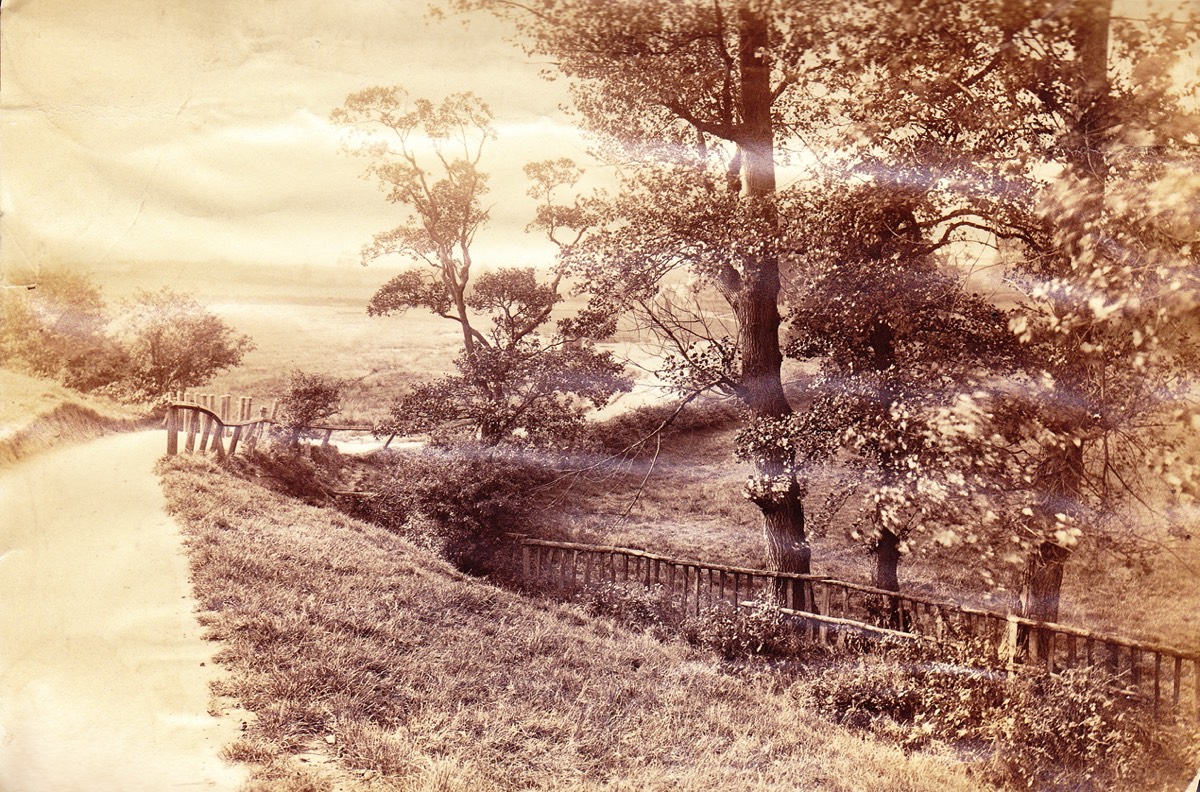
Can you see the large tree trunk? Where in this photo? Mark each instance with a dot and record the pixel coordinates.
(1041, 587)
(1064, 473)
(1041, 582)
(887, 576)
(887, 561)
(757, 306)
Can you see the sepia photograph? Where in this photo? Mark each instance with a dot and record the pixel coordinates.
(584, 395)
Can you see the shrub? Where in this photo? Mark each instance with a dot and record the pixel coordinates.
(309, 398)
(740, 632)
(459, 500)
(909, 693)
(1028, 731)
(101, 366)
(1072, 731)
(630, 604)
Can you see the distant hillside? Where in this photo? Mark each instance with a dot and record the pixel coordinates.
(36, 414)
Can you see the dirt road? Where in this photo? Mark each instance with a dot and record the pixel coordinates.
(103, 676)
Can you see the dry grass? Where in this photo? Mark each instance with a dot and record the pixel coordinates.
(345, 640)
(37, 414)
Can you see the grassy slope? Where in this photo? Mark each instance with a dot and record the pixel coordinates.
(36, 414)
(691, 507)
(409, 675)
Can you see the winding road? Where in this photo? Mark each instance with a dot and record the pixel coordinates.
(103, 674)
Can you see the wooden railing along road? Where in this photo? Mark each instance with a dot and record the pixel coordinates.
(829, 609)
(205, 420)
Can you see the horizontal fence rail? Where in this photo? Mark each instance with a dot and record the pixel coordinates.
(206, 420)
(1167, 677)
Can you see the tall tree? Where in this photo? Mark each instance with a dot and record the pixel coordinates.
(1111, 305)
(1087, 157)
(691, 98)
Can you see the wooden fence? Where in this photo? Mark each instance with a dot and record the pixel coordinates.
(829, 609)
(206, 420)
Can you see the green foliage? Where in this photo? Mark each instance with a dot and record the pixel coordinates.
(159, 342)
(55, 328)
(631, 604)
(309, 398)
(741, 632)
(459, 501)
(1070, 731)
(513, 383)
(174, 343)
(530, 393)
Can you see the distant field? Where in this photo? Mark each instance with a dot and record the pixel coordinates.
(379, 355)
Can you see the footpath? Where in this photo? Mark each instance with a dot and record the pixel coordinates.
(103, 674)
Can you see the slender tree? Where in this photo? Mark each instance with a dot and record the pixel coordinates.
(511, 377)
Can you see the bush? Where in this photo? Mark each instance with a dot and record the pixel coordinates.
(1028, 731)
(739, 632)
(460, 501)
(310, 398)
(630, 604)
(910, 693)
(100, 367)
(1071, 731)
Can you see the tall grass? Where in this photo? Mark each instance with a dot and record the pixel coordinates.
(344, 640)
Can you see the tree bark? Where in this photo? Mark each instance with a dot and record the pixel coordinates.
(757, 304)
(1064, 473)
(1041, 582)
(887, 575)
(887, 561)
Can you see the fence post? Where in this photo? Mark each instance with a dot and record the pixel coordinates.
(1175, 683)
(1196, 686)
(1157, 680)
(172, 431)
(524, 559)
(225, 400)
(219, 439)
(190, 418)
(237, 435)
(205, 426)
(1008, 647)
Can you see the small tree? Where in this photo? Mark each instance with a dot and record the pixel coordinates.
(517, 384)
(511, 378)
(56, 327)
(174, 343)
(309, 398)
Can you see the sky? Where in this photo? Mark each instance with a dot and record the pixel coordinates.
(163, 131)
